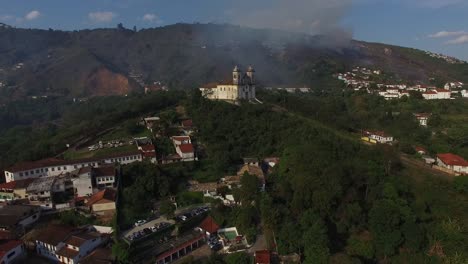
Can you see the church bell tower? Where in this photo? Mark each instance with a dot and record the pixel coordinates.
(236, 76)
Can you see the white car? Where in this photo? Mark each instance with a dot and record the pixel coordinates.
(140, 222)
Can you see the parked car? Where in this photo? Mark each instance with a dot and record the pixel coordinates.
(140, 222)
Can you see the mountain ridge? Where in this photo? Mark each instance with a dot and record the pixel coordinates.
(187, 55)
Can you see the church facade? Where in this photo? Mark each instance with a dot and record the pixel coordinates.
(242, 87)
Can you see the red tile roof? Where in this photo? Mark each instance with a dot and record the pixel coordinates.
(452, 159)
(57, 162)
(262, 257)
(148, 148)
(67, 252)
(430, 92)
(5, 235)
(54, 234)
(209, 225)
(104, 171)
(420, 149)
(6, 246)
(187, 123)
(104, 196)
(181, 138)
(186, 148)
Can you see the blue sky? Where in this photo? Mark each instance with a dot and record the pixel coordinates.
(436, 25)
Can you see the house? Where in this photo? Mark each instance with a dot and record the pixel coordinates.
(10, 251)
(18, 217)
(101, 255)
(452, 162)
(65, 244)
(420, 150)
(379, 136)
(184, 148)
(14, 190)
(148, 152)
(437, 94)
(241, 87)
(42, 190)
(422, 118)
(55, 167)
(187, 126)
(102, 202)
(104, 177)
(150, 121)
(464, 93)
(209, 226)
(262, 257)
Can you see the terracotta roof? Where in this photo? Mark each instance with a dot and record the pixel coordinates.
(262, 257)
(430, 92)
(6, 246)
(84, 170)
(5, 235)
(420, 149)
(67, 252)
(54, 234)
(452, 159)
(442, 91)
(187, 123)
(104, 171)
(57, 162)
(148, 148)
(210, 85)
(79, 239)
(252, 170)
(377, 133)
(422, 115)
(181, 138)
(99, 256)
(186, 148)
(209, 225)
(104, 196)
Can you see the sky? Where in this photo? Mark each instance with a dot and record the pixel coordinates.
(435, 25)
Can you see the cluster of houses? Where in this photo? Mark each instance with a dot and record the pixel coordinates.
(57, 243)
(360, 79)
(446, 58)
(290, 89)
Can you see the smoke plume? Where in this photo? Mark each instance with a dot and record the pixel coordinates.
(312, 17)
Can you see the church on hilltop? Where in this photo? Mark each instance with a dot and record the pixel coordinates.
(242, 87)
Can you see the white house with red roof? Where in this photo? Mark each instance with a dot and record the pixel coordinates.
(10, 250)
(437, 94)
(184, 148)
(452, 162)
(422, 118)
(55, 167)
(379, 136)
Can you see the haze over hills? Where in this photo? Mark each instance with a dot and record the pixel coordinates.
(101, 61)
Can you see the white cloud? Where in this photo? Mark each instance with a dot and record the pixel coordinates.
(445, 34)
(32, 15)
(152, 18)
(6, 17)
(460, 40)
(102, 17)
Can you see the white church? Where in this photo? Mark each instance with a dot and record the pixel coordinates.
(242, 87)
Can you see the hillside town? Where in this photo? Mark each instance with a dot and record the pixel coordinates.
(364, 79)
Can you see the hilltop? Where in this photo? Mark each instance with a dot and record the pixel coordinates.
(120, 61)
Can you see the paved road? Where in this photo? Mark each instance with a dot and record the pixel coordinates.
(260, 244)
(161, 219)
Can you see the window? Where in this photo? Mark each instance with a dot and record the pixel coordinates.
(64, 168)
(26, 173)
(58, 168)
(21, 174)
(46, 169)
(37, 171)
(11, 254)
(75, 166)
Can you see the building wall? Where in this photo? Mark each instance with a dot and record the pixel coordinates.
(83, 185)
(48, 251)
(57, 170)
(11, 255)
(30, 220)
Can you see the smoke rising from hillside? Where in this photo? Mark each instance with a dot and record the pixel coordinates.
(304, 16)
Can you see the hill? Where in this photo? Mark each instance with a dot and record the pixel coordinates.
(119, 61)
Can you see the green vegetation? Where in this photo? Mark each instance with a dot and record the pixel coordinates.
(72, 123)
(73, 218)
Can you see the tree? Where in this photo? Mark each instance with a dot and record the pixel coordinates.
(460, 184)
(167, 208)
(360, 245)
(120, 251)
(238, 258)
(249, 187)
(384, 223)
(315, 238)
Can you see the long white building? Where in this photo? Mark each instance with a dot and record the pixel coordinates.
(55, 167)
(242, 87)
